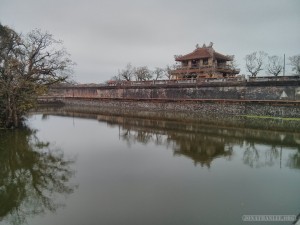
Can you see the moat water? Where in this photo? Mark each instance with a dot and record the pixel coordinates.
(103, 169)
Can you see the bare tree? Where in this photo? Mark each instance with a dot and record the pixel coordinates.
(115, 78)
(254, 62)
(28, 65)
(275, 65)
(169, 71)
(295, 63)
(142, 73)
(158, 73)
(127, 73)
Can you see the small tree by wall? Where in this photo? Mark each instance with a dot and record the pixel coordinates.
(255, 62)
(275, 65)
(126, 73)
(169, 71)
(142, 73)
(158, 73)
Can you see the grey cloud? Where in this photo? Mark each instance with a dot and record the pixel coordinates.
(104, 35)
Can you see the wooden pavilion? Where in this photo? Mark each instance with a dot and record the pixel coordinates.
(204, 62)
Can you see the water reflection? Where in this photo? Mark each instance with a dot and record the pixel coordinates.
(202, 142)
(33, 176)
(199, 147)
(294, 160)
(252, 156)
(202, 149)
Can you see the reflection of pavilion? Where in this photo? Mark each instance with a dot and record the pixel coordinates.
(202, 149)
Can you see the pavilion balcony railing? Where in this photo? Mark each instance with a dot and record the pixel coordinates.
(227, 67)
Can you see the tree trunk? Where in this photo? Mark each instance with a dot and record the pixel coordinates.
(15, 116)
(9, 113)
(12, 118)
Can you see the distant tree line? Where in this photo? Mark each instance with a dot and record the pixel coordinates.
(273, 65)
(255, 63)
(143, 73)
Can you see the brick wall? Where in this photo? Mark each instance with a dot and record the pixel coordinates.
(239, 91)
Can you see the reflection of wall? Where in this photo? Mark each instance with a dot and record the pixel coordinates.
(278, 132)
(203, 143)
(200, 140)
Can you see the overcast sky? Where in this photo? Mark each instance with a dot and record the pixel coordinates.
(102, 36)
